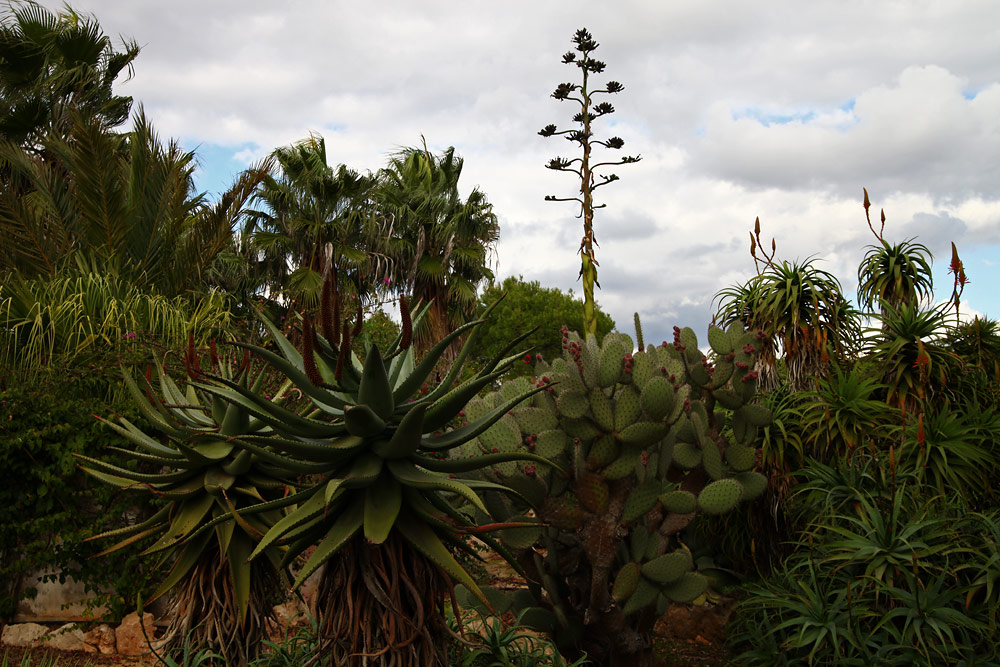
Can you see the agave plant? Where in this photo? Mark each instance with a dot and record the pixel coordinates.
(219, 498)
(381, 512)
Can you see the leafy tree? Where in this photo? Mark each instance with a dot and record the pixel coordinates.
(436, 243)
(528, 305)
(582, 166)
(53, 66)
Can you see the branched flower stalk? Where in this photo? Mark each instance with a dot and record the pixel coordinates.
(582, 166)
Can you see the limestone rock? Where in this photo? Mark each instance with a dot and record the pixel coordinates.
(66, 638)
(22, 634)
(129, 635)
(100, 640)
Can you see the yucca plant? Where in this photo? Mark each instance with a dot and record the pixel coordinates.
(219, 498)
(382, 509)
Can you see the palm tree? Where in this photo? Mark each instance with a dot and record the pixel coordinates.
(52, 65)
(114, 204)
(439, 243)
(308, 211)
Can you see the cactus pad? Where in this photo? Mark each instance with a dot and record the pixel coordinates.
(668, 567)
(687, 455)
(644, 595)
(642, 368)
(657, 398)
(754, 484)
(720, 341)
(628, 408)
(688, 588)
(535, 420)
(612, 362)
(756, 415)
(550, 444)
(740, 457)
(642, 499)
(600, 405)
(592, 491)
(603, 451)
(573, 404)
(681, 502)
(561, 512)
(720, 496)
(643, 434)
(626, 582)
(711, 459)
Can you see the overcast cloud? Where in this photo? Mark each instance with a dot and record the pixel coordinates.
(782, 110)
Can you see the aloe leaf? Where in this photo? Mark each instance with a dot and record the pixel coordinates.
(412, 383)
(152, 478)
(410, 475)
(417, 314)
(313, 506)
(364, 470)
(475, 462)
(463, 434)
(292, 465)
(130, 540)
(343, 529)
(156, 417)
(158, 460)
(324, 399)
(156, 519)
(362, 420)
(315, 451)
(278, 418)
(239, 570)
(382, 502)
(178, 404)
(448, 406)
(133, 434)
(187, 518)
(407, 437)
(190, 555)
(375, 390)
(426, 541)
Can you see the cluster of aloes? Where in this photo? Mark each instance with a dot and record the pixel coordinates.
(884, 575)
(378, 507)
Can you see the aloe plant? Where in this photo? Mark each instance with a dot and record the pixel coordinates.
(219, 498)
(381, 512)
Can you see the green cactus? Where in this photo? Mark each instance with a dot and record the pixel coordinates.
(652, 437)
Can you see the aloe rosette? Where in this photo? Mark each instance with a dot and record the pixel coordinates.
(384, 498)
(219, 498)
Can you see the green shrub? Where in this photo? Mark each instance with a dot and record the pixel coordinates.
(47, 507)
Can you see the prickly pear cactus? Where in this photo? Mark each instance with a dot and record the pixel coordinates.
(641, 441)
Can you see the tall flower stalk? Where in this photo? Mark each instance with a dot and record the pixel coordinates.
(583, 166)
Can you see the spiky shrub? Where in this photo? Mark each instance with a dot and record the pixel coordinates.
(646, 440)
(219, 497)
(381, 512)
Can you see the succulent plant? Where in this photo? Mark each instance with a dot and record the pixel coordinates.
(381, 509)
(219, 498)
(639, 443)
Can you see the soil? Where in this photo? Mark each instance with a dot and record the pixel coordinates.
(45, 657)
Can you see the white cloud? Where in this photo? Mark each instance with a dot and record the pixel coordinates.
(854, 95)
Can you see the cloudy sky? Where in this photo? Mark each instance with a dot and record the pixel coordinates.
(782, 110)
